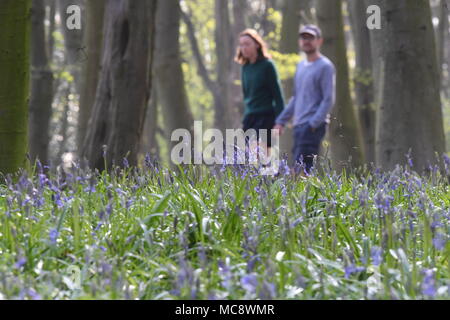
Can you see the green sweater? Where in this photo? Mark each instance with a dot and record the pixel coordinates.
(261, 86)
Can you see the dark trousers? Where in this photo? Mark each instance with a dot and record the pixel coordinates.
(265, 121)
(307, 145)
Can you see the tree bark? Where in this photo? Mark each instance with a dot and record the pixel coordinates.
(289, 44)
(410, 117)
(167, 71)
(442, 37)
(51, 28)
(240, 11)
(95, 11)
(344, 132)
(124, 89)
(226, 115)
(149, 144)
(14, 83)
(41, 87)
(73, 41)
(364, 80)
(220, 105)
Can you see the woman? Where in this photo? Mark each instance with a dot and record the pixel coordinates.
(263, 98)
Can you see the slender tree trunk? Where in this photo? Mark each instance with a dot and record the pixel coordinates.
(73, 41)
(410, 117)
(168, 73)
(41, 88)
(14, 83)
(227, 115)
(363, 77)
(344, 132)
(95, 11)
(51, 4)
(149, 143)
(289, 44)
(64, 121)
(442, 38)
(124, 89)
(240, 11)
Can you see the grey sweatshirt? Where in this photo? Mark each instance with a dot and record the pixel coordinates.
(314, 94)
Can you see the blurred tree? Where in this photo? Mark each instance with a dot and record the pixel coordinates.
(410, 116)
(14, 83)
(225, 115)
(149, 145)
(344, 133)
(41, 87)
(363, 79)
(124, 88)
(95, 11)
(442, 41)
(292, 19)
(240, 12)
(73, 40)
(51, 6)
(167, 71)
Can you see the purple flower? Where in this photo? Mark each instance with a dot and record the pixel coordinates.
(439, 241)
(90, 189)
(428, 283)
(351, 269)
(148, 161)
(225, 273)
(125, 163)
(409, 159)
(129, 203)
(376, 254)
(109, 209)
(53, 235)
(20, 263)
(249, 283)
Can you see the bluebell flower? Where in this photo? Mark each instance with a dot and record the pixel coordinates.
(148, 161)
(439, 241)
(249, 283)
(20, 263)
(53, 235)
(351, 269)
(428, 283)
(376, 255)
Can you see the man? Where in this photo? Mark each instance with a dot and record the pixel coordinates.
(313, 98)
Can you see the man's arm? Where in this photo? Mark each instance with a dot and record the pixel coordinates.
(328, 89)
(287, 113)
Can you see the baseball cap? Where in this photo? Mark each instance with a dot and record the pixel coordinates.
(312, 30)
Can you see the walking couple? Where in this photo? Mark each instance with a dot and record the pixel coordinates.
(312, 99)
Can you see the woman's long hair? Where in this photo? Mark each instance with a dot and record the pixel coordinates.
(263, 51)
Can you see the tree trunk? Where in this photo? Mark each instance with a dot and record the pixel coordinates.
(41, 88)
(226, 115)
(124, 89)
(289, 44)
(410, 116)
(240, 11)
(64, 123)
(442, 38)
(14, 83)
(51, 4)
(95, 11)
(167, 71)
(73, 41)
(344, 132)
(363, 77)
(149, 143)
